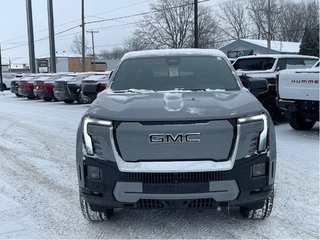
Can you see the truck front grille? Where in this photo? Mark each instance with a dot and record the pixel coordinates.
(149, 203)
(196, 203)
(189, 177)
(202, 203)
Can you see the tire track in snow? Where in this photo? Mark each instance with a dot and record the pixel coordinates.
(35, 185)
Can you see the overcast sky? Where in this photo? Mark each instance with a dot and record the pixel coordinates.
(67, 13)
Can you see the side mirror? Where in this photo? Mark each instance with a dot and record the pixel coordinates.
(255, 85)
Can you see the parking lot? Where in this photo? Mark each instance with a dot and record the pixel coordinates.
(39, 189)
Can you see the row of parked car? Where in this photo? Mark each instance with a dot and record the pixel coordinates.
(67, 87)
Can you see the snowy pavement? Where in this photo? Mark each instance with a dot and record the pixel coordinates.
(39, 192)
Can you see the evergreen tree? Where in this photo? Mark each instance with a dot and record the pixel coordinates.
(310, 42)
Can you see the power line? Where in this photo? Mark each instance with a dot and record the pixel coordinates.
(143, 13)
(98, 21)
(72, 21)
(116, 26)
(115, 9)
(43, 30)
(41, 39)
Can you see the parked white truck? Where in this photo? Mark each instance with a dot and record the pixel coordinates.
(298, 93)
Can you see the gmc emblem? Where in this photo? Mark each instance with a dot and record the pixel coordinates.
(178, 138)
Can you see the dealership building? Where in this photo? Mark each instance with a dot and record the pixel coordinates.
(243, 47)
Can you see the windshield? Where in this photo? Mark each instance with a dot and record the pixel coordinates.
(254, 64)
(170, 73)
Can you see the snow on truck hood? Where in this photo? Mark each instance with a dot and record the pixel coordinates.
(173, 105)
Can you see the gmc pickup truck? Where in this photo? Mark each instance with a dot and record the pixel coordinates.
(298, 93)
(176, 129)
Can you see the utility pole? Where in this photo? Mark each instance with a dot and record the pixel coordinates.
(196, 25)
(83, 38)
(1, 80)
(53, 66)
(32, 58)
(269, 26)
(93, 53)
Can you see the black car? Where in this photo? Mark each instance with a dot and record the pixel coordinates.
(92, 85)
(67, 88)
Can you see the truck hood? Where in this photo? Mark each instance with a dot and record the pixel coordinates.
(173, 105)
(257, 74)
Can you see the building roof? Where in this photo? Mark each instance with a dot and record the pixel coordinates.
(289, 47)
(63, 56)
(260, 46)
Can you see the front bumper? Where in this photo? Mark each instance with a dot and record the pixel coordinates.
(42, 94)
(26, 93)
(115, 189)
(14, 89)
(89, 97)
(310, 109)
(64, 95)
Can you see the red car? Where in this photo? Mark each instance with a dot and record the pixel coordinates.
(25, 86)
(44, 86)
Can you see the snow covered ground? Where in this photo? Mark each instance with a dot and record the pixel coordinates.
(39, 196)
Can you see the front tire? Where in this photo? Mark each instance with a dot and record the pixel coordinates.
(269, 103)
(94, 216)
(259, 213)
(68, 101)
(79, 98)
(47, 99)
(298, 122)
(3, 87)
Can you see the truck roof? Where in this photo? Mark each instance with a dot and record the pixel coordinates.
(174, 52)
(277, 56)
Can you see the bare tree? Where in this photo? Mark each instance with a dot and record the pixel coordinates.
(135, 44)
(235, 17)
(258, 11)
(249, 19)
(297, 17)
(76, 46)
(209, 31)
(170, 25)
(114, 53)
(312, 14)
(292, 21)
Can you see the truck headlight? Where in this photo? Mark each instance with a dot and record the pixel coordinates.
(86, 136)
(262, 134)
